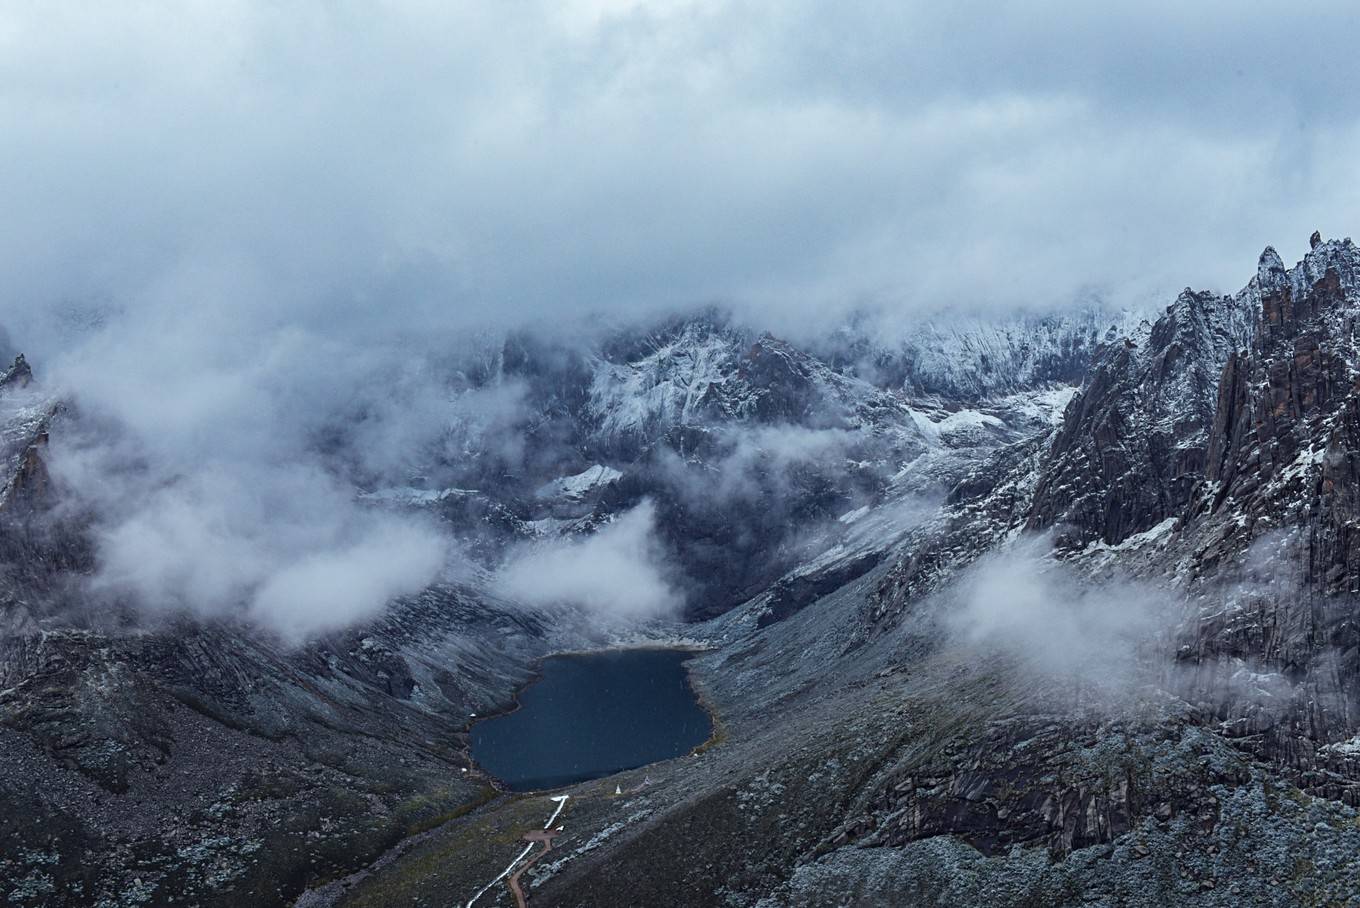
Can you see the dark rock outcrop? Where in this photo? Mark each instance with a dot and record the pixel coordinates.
(1286, 441)
(1134, 442)
(18, 375)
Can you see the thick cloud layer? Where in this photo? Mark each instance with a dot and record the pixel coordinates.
(1053, 623)
(368, 171)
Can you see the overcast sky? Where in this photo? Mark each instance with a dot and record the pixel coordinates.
(359, 166)
(226, 226)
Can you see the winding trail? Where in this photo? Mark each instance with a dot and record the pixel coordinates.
(547, 842)
(545, 836)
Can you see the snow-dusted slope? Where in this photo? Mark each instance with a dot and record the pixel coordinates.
(975, 357)
(705, 374)
(674, 383)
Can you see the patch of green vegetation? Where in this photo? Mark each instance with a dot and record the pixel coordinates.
(425, 812)
(719, 733)
(433, 867)
(718, 736)
(1298, 797)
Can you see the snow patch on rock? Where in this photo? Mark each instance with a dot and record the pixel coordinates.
(577, 485)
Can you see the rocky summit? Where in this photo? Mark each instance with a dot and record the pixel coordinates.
(1036, 611)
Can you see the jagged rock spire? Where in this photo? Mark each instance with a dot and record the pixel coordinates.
(1270, 271)
(19, 375)
(1315, 239)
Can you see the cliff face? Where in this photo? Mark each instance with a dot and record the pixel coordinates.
(1134, 442)
(1275, 525)
(1285, 442)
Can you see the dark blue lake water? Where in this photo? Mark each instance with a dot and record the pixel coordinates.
(592, 715)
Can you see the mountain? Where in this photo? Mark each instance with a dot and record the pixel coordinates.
(670, 412)
(1065, 618)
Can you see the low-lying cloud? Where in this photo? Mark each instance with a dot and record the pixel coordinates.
(620, 571)
(756, 462)
(337, 586)
(1043, 616)
(218, 466)
(287, 548)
